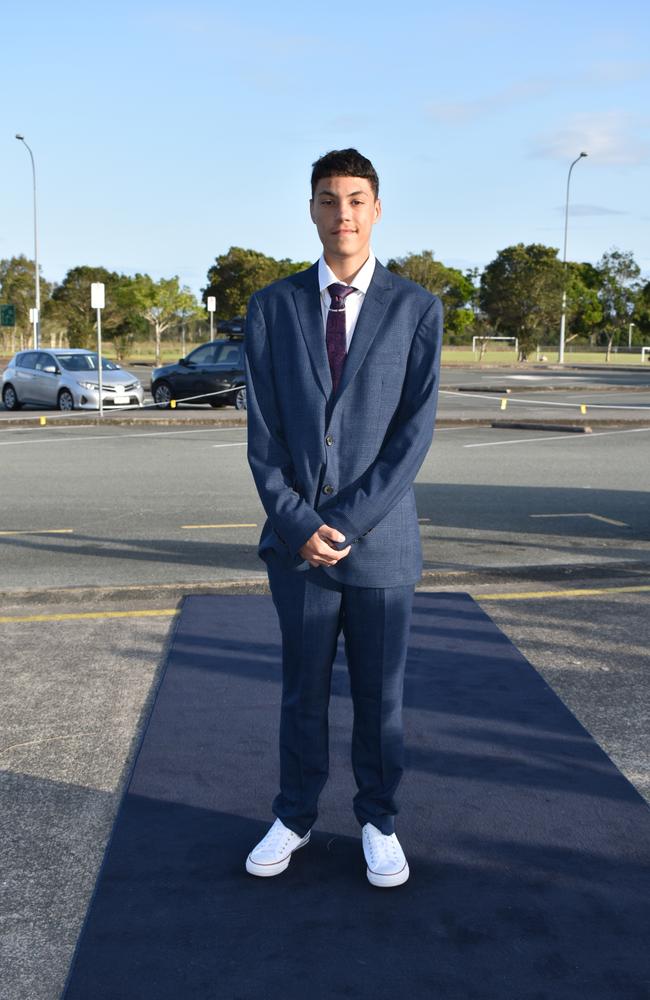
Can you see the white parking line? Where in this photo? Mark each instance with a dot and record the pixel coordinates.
(556, 437)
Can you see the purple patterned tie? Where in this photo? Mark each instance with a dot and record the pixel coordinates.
(335, 331)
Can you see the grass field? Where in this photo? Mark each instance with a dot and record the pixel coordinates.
(450, 356)
(143, 353)
(464, 356)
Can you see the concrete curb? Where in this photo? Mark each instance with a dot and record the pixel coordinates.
(556, 574)
(197, 420)
(579, 387)
(125, 420)
(546, 426)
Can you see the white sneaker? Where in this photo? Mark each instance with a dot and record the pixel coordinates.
(384, 857)
(273, 853)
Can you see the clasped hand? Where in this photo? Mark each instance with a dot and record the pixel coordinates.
(317, 550)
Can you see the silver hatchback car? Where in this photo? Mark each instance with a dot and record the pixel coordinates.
(67, 379)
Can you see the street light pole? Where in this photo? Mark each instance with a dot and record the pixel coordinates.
(37, 324)
(566, 227)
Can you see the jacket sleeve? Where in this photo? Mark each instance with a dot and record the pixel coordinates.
(292, 518)
(358, 507)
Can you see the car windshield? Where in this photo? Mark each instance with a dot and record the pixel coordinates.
(85, 363)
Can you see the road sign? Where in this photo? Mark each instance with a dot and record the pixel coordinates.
(97, 297)
(7, 315)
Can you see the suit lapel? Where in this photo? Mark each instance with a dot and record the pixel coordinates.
(308, 306)
(310, 317)
(370, 316)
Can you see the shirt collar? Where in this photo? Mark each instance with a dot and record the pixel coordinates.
(326, 276)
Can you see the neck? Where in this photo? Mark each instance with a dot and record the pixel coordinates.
(347, 268)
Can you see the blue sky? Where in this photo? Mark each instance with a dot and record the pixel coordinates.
(165, 133)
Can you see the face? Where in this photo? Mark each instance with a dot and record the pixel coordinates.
(344, 210)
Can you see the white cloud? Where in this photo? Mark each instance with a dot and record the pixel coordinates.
(601, 75)
(459, 112)
(611, 137)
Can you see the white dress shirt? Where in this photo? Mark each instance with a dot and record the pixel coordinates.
(353, 301)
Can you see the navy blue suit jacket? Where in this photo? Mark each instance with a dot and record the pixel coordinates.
(347, 460)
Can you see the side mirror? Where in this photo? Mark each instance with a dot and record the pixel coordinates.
(51, 369)
(183, 361)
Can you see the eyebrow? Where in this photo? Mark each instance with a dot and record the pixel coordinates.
(331, 194)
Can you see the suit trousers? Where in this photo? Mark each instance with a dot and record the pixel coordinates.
(312, 610)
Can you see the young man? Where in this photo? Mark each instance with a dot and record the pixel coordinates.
(342, 368)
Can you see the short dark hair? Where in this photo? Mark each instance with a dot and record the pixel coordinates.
(344, 163)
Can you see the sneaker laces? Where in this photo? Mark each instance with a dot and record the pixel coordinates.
(279, 836)
(383, 847)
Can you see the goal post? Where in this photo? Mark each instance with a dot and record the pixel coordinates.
(644, 351)
(476, 340)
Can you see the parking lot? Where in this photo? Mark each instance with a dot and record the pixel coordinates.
(104, 528)
(119, 506)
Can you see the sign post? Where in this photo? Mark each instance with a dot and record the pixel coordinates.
(212, 305)
(97, 302)
(33, 319)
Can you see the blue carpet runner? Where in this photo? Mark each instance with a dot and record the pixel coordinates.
(529, 851)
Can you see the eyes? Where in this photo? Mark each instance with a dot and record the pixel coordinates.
(330, 201)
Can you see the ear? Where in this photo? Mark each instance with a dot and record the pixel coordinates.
(377, 210)
(311, 210)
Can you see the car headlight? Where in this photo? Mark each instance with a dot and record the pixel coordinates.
(89, 385)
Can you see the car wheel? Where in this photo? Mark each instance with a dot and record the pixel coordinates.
(10, 399)
(162, 394)
(65, 400)
(240, 398)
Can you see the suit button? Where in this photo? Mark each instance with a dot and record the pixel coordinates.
(329, 439)
(328, 489)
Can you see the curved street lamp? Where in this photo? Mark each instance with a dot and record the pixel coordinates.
(37, 325)
(566, 226)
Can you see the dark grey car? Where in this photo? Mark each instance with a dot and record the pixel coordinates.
(212, 373)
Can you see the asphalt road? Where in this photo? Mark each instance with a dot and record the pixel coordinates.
(75, 697)
(103, 528)
(116, 506)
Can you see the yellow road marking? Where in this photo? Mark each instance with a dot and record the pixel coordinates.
(41, 531)
(192, 526)
(170, 612)
(76, 615)
(532, 595)
(596, 517)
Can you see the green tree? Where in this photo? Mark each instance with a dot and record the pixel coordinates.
(641, 317)
(619, 288)
(17, 288)
(584, 311)
(235, 275)
(162, 303)
(71, 304)
(130, 325)
(521, 292)
(456, 290)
